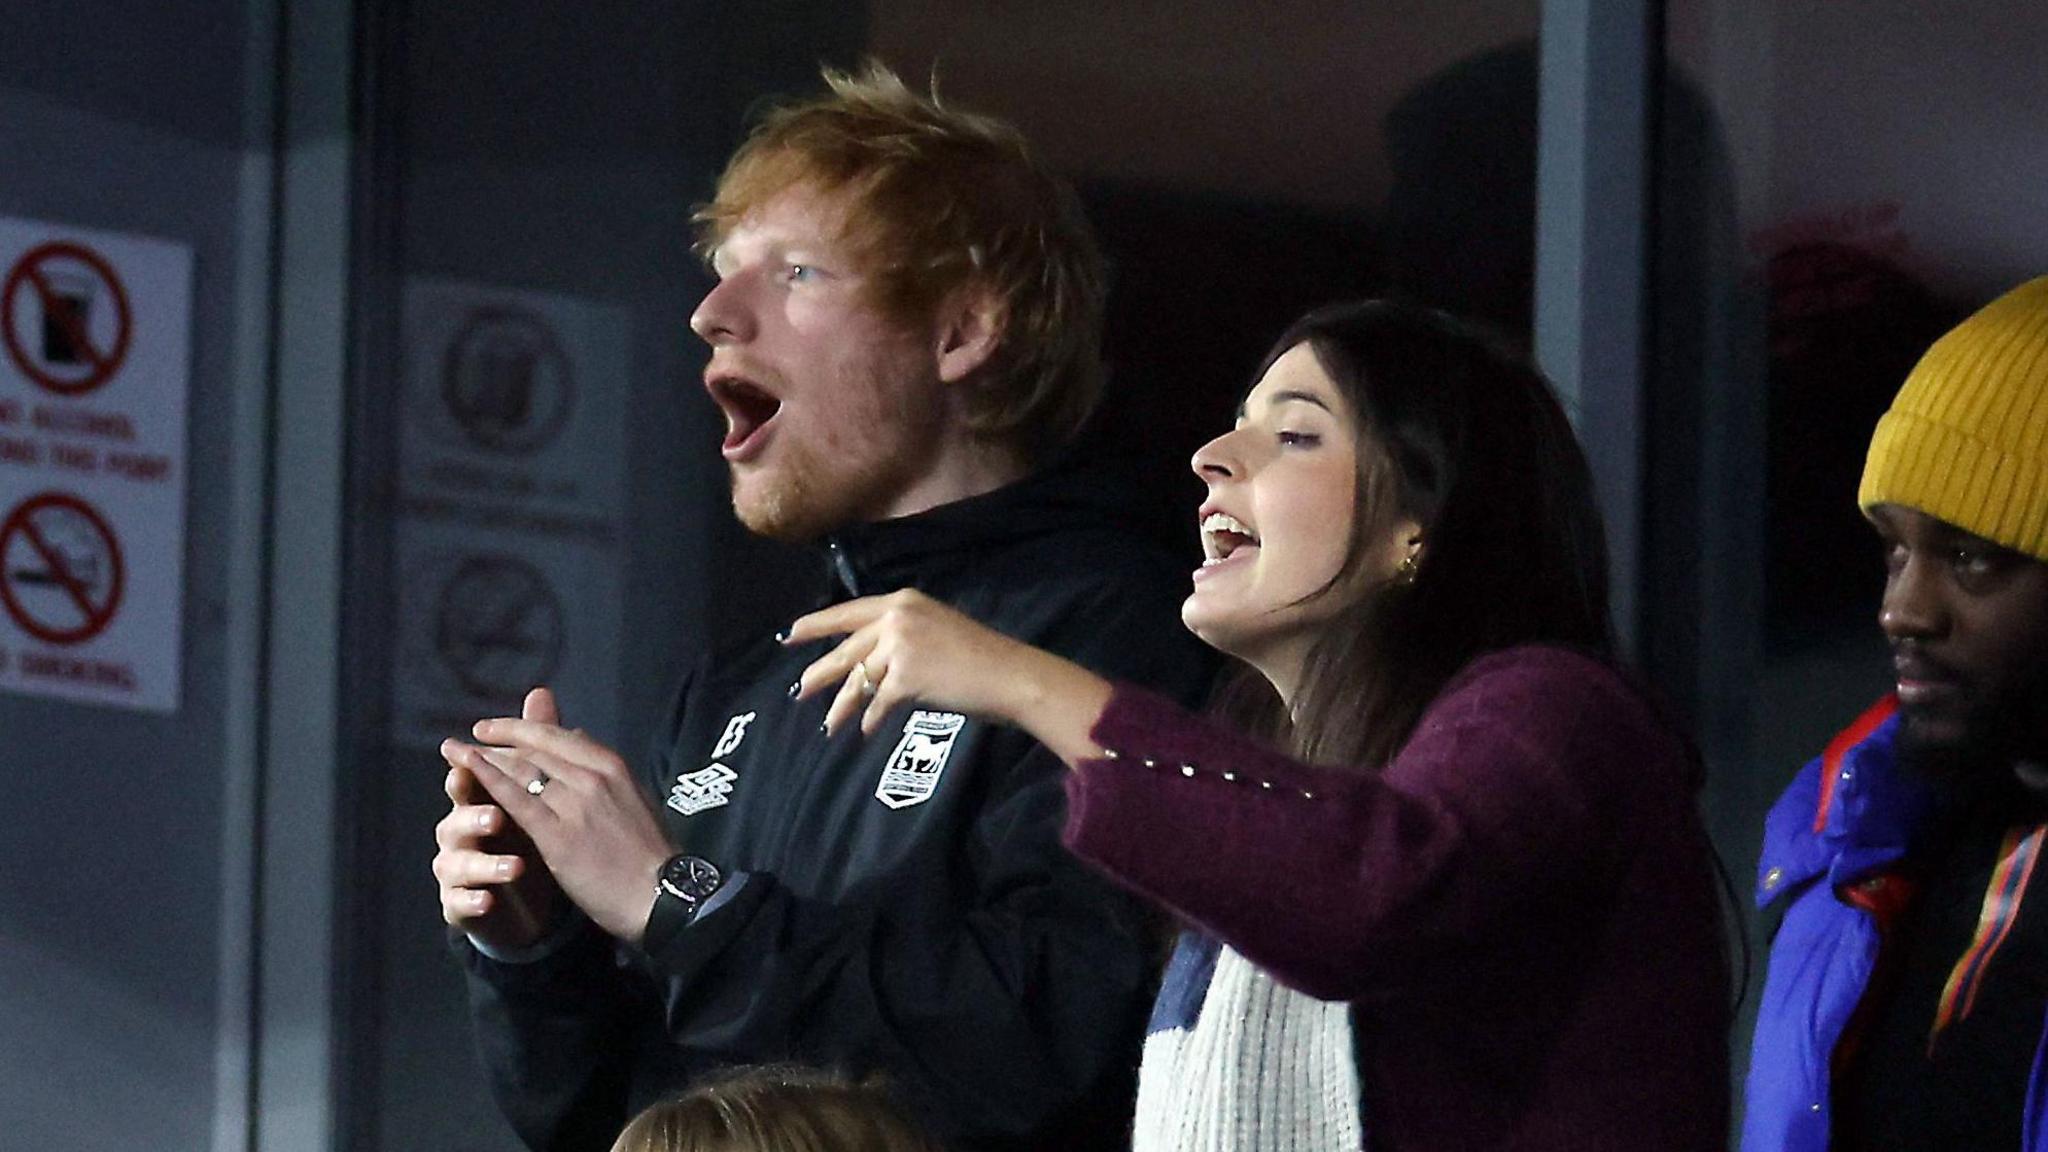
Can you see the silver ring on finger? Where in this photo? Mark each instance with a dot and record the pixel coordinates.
(537, 785)
(867, 683)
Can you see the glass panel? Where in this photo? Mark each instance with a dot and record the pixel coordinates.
(555, 505)
(126, 132)
(1245, 164)
(1841, 183)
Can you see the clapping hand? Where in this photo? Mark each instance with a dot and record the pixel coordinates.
(493, 885)
(580, 805)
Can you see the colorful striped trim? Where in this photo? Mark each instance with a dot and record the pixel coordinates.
(1831, 760)
(2016, 859)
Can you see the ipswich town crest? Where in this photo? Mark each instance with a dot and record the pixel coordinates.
(912, 774)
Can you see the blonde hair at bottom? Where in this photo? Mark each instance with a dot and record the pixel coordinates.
(777, 1109)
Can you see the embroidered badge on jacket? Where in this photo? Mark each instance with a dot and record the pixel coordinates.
(735, 731)
(711, 786)
(706, 788)
(912, 774)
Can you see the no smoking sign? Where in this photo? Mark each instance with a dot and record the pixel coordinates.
(60, 569)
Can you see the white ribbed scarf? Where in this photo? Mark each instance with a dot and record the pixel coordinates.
(1264, 1069)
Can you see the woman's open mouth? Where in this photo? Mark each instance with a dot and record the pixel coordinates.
(1224, 538)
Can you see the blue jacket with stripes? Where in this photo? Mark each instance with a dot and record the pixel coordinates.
(1829, 845)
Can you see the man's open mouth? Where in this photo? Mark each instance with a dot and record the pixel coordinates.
(749, 409)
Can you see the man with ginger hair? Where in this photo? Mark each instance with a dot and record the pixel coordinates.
(904, 339)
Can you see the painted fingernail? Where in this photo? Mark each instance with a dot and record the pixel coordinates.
(825, 728)
(782, 637)
(795, 686)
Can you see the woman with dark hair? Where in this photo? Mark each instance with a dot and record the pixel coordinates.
(1439, 866)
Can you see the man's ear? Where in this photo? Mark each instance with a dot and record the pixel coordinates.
(969, 330)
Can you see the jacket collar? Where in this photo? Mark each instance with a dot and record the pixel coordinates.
(883, 556)
(1849, 814)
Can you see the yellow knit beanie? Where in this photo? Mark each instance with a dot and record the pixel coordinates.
(1966, 439)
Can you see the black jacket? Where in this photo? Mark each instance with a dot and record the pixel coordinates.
(899, 905)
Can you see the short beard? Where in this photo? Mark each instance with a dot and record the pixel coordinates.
(781, 513)
(810, 500)
(1946, 765)
(1978, 767)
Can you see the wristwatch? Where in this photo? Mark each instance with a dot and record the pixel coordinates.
(688, 881)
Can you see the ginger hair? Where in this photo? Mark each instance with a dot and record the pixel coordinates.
(938, 201)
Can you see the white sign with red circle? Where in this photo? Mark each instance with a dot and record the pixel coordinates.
(95, 348)
(60, 568)
(68, 319)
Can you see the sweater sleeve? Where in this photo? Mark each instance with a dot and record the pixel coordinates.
(1508, 806)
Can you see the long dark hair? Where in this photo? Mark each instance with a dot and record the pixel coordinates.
(1470, 442)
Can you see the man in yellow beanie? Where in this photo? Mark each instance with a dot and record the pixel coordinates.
(1908, 985)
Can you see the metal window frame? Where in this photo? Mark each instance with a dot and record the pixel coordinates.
(276, 1052)
(281, 1052)
(1593, 212)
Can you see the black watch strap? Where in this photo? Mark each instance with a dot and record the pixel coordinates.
(688, 880)
(681, 889)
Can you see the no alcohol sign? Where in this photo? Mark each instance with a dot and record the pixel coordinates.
(68, 323)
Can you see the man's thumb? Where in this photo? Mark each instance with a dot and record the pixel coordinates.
(540, 706)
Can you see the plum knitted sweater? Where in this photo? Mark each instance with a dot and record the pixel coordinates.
(1520, 909)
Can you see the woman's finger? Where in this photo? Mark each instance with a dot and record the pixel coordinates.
(838, 620)
(834, 666)
(877, 708)
(848, 701)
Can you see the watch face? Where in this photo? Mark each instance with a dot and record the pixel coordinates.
(690, 878)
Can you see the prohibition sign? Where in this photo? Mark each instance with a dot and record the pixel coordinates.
(60, 569)
(499, 627)
(64, 298)
(507, 381)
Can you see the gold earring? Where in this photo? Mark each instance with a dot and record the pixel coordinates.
(1404, 573)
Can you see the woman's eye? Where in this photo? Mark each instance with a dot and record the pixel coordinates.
(1294, 439)
(798, 273)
